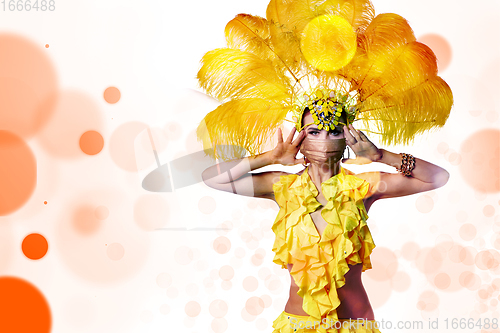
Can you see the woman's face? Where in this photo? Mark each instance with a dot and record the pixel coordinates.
(322, 148)
(312, 131)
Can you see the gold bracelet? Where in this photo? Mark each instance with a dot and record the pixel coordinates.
(407, 164)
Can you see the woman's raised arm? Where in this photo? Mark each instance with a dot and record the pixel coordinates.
(234, 176)
(425, 176)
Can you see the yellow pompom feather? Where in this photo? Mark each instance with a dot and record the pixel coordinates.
(328, 42)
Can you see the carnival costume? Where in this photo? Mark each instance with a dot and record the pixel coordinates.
(321, 261)
(327, 57)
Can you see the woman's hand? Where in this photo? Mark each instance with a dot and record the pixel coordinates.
(362, 147)
(285, 152)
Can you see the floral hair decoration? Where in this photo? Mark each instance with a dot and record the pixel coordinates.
(326, 107)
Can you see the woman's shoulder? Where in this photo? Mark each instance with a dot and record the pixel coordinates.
(367, 175)
(282, 176)
(290, 176)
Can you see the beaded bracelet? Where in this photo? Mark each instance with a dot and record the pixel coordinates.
(407, 164)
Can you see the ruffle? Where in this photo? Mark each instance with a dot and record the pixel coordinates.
(280, 325)
(321, 261)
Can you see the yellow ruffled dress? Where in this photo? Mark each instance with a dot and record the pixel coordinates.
(321, 261)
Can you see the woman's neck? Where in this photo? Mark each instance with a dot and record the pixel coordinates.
(320, 174)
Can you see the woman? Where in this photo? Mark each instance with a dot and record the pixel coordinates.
(324, 165)
(329, 64)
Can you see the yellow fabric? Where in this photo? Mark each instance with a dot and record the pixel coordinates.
(290, 323)
(320, 263)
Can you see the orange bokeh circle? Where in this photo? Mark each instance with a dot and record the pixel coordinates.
(480, 166)
(23, 307)
(17, 172)
(441, 48)
(34, 246)
(28, 86)
(112, 95)
(91, 142)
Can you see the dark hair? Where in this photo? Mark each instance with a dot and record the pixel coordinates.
(306, 111)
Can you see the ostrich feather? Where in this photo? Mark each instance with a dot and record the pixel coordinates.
(358, 13)
(251, 34)
(400, 93)
(392, 77)
(399, 70)
(234, 74)
(384, 36)
(402, 116)
(293, 16)
(247, 123)
(388, 31)
(288, 19)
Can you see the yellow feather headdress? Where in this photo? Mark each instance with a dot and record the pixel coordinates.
(307, 53)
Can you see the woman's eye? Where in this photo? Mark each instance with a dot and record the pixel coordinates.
(313, 132)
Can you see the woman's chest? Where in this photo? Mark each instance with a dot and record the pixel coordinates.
(317, 218)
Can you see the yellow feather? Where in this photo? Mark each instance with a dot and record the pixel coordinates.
(249, 33)
(252, 34)
(396, 78)
(247, 123)
(358, 13)
(399, 70)
(293, 16)
(234, 74)
(398, 91)
(381, 41)
(287, 47)
(388, 30)
(288, 19)
(400, 117)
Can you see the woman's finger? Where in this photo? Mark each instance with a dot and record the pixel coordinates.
(299, 161)
(355, 133)
(299, 138)
(290, 136)
(350, 140)
(280, 136)
(363, 136)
